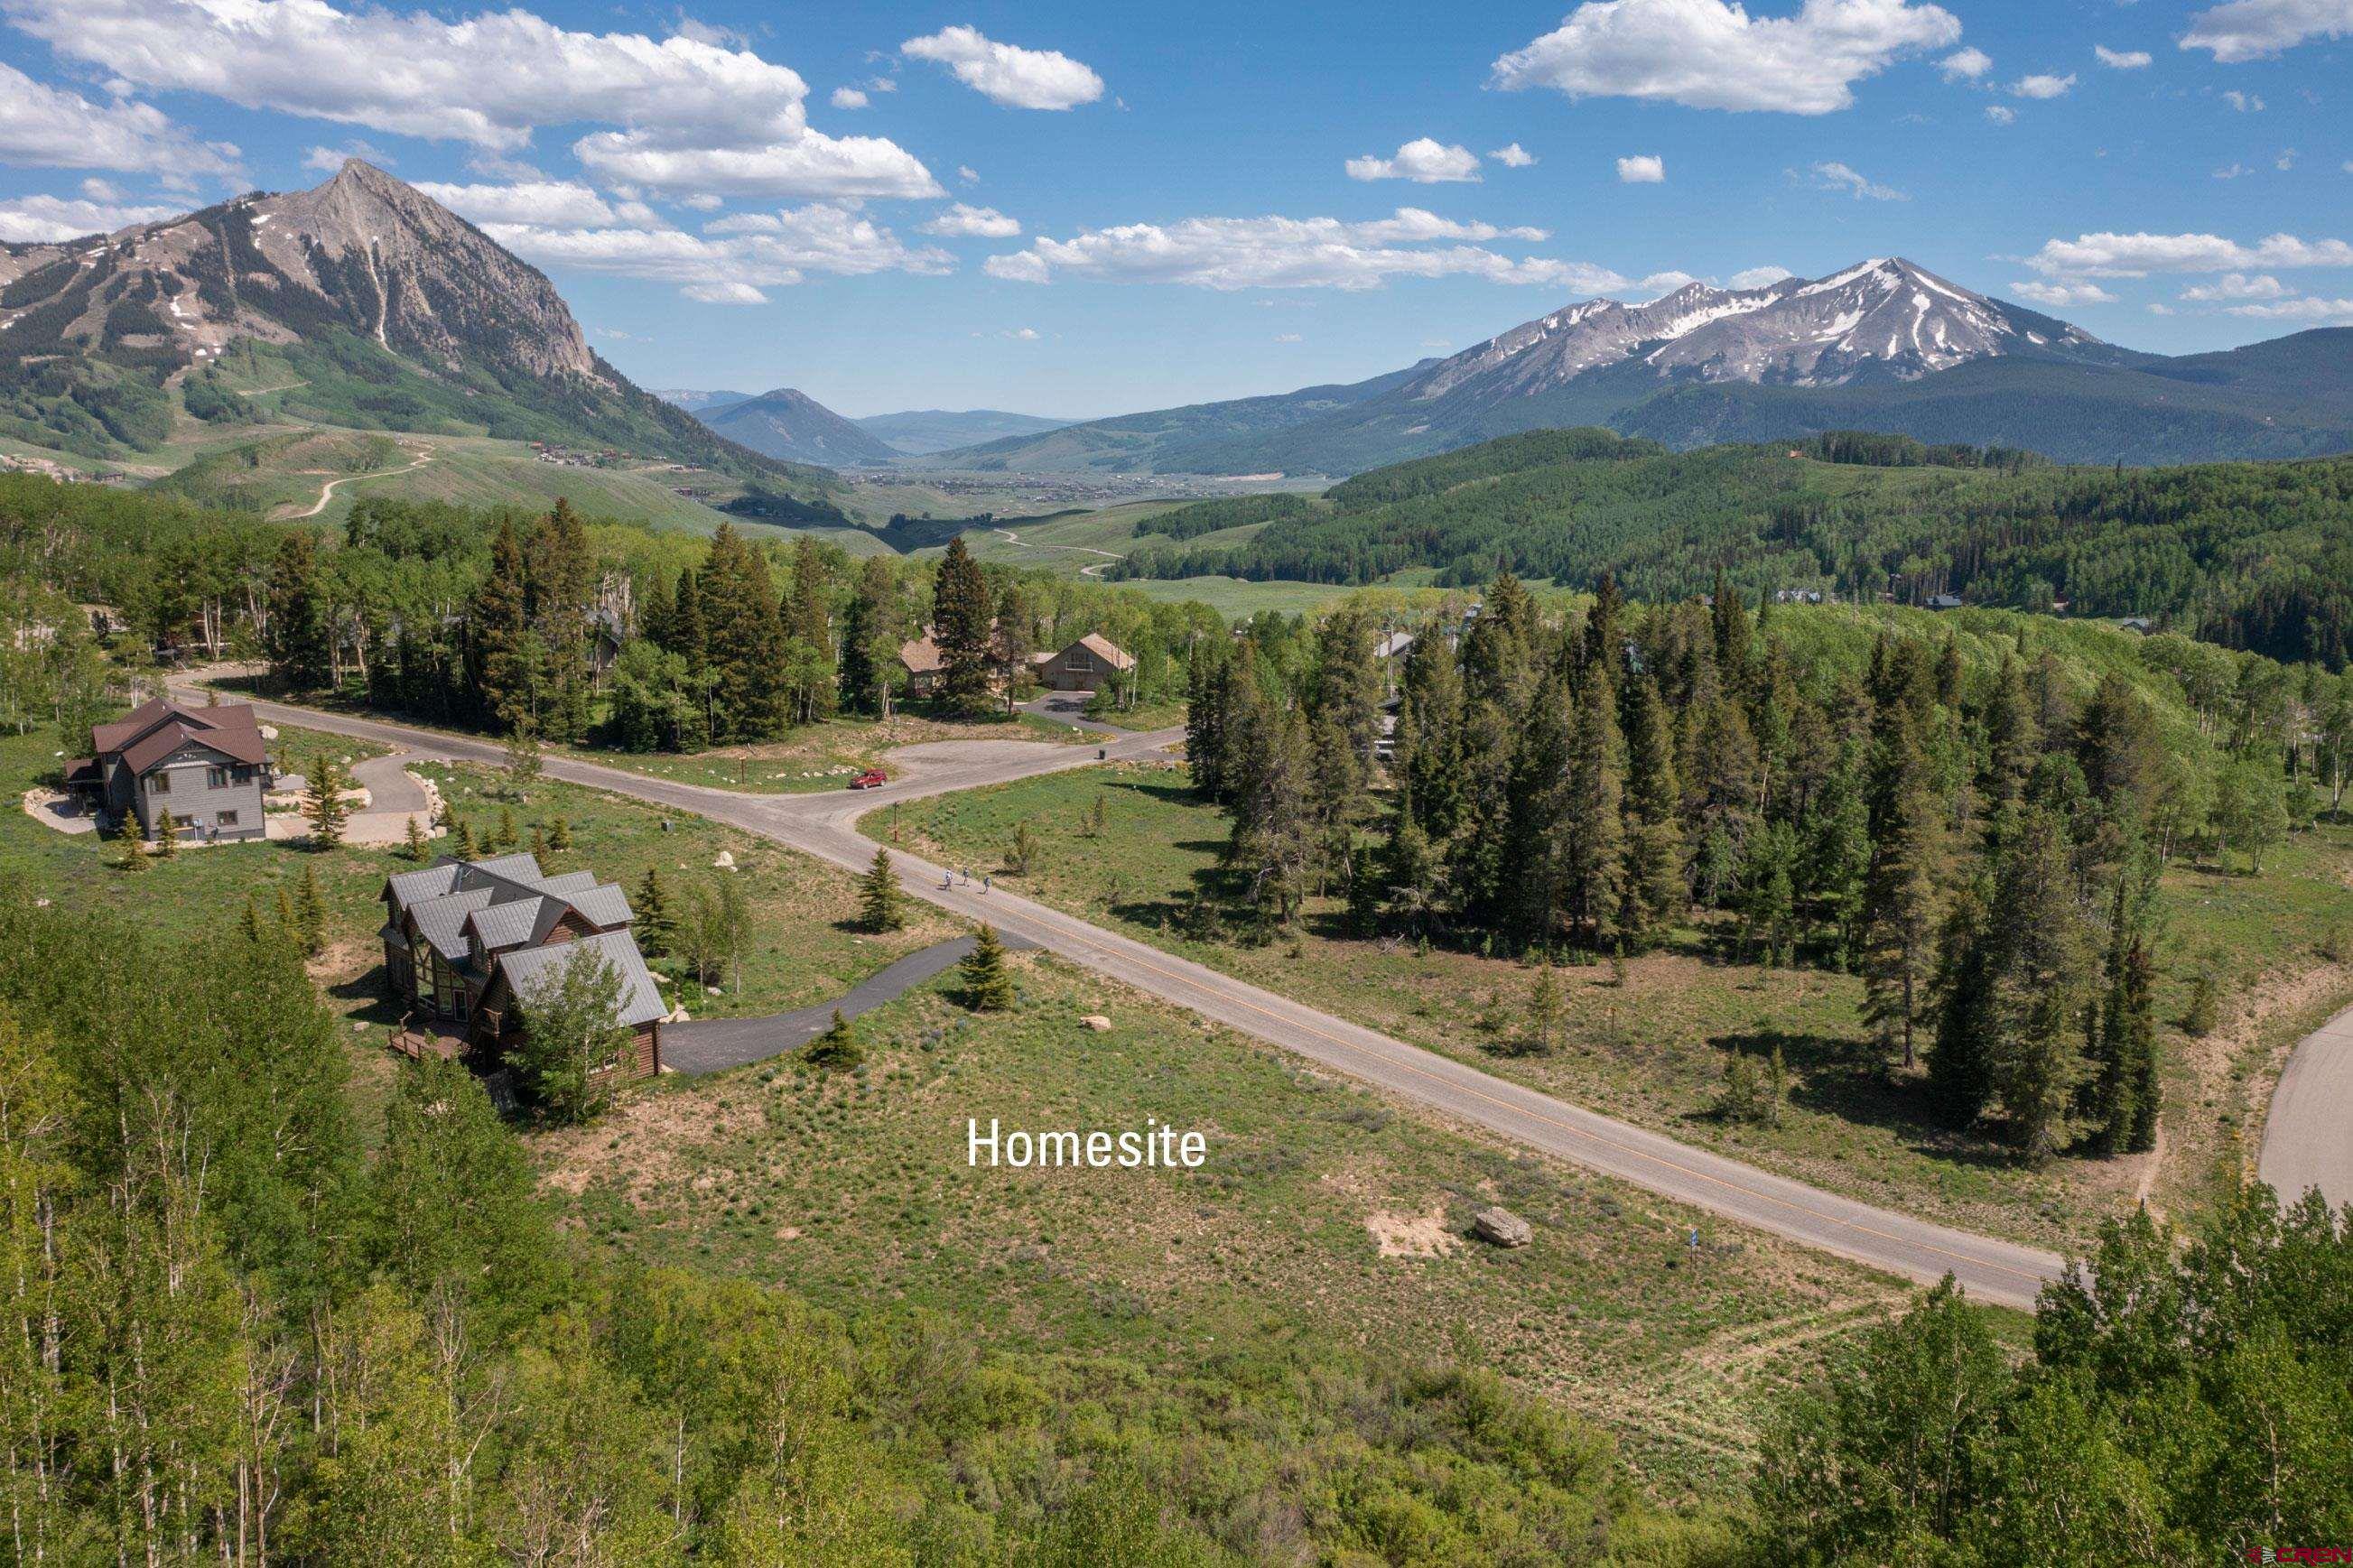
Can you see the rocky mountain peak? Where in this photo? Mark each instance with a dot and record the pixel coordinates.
(1886, 317)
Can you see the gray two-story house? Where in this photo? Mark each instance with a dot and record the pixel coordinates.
(207, 766)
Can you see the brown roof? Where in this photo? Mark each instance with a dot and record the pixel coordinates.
(157, 729)
(922, 655)
(1110, 653)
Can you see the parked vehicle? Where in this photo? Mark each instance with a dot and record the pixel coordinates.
(872, 778)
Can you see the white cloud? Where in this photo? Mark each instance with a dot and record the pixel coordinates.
(1512, 156)
(2244, 102)
(1643, 169)
(2249, 29)
(327, 160)
(2042, 85)
(552, 204)
(2233, 171)
(1227, 253)
(2161, 310)
(2059, 296)
(493, 166)
(1018, 77)
(971, 222)
(1965, 65)
(1021, 334)
(967, 173)
(2107, 255)
(1409, 226)
(1760, 277)
(52, 128)
(1289, 337)
(48, 219)
(1424, 160)
(2001, 114)
(489, 80)
(847, 97)
(735, 259)
(2285, 161)
(1850, 182)
(2310, 309)
(1662, 283)
(2121, 59)
(2238, 286)
(844, 167)
(702, 202)
(1707, 54)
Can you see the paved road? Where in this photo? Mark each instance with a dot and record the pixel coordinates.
(823, 824)
(2308, 1137)
(714, 1045)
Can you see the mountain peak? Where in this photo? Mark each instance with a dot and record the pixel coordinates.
(1886, 317)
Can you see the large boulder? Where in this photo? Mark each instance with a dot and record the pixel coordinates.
(1501, 1227)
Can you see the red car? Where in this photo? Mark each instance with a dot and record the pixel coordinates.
(872, 778)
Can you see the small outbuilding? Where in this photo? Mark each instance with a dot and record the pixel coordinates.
(1083, 666)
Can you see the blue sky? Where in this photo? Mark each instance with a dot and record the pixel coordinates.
(1085, 209)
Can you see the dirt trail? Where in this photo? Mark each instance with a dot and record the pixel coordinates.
(327, 491)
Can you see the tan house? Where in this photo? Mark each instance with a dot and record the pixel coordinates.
(1083, 666)
(923, 663)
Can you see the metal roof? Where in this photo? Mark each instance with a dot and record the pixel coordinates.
(506, 925)
(442, 921)
(531, 971)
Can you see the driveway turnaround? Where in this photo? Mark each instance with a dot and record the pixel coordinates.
(2308, 1137)
(824, 825)
(714, 1045)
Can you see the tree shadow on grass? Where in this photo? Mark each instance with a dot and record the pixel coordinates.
(1846, 1079)
(367, 989)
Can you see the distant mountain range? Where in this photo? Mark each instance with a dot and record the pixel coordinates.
(1882, 345)
(792, 425)
(921, 432)
(361, 302)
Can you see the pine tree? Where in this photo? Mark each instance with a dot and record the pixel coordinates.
(1907, 864)
(744, 634)
(1655, 890)
(167, 835)
(418, 848)
(839, 1049)
(1012, 641)
(961, 617)
(559, 835)
(462, 839)
(880, 902)
(1272, 842)
(653, 924)
(251, 924)
(558, 583)
(1022, 854)
(508, 837)
(2013, 741)
(1545, 1009)
(500, 625)
(1768, 894)
(988, 987)
(539, 850)
(328, 810)
(1532, 895)
(310, 911)
(299, 636)
(2042, 984)
(1593, 823)
(870, 635)
(1960, 1054)
(1346, 691)
(288, 928)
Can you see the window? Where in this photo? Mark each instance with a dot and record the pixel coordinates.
(216, 778)
(1079, 660)
(242, 774)
(224, 819)
(159, 783)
